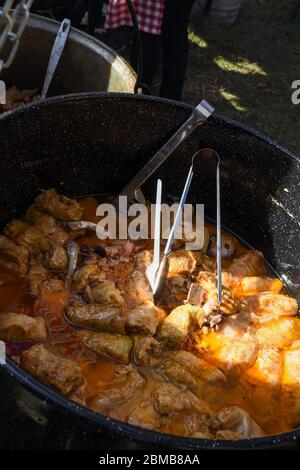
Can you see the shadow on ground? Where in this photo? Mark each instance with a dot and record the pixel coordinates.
(246, 70)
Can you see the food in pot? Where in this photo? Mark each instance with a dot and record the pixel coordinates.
(16, 98)
(82, 317)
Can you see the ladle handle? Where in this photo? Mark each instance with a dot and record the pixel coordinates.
(198, 117)
(56, 53)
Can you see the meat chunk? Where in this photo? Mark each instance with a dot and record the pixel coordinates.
(124, 391)
(34, 215)
(119, 250)
(142, 260)
(175, 291)
(56, 259)
(209, 264)
(78, 396)
(184, 261)
(108, 318)
(236, 324)
(266, 303)
(138, 288)
(249, 264)
(196, 295)
(55, 286)
(19, 327)
(116, 346)
(237, 420)
(187, 423)
(262, 383)
(144, 319)
(228, 245)
(15, 256)
(58, 237)
(179, 283)
(49, 226)
(170, 399)
(232, 354)
(176, 327)
(291, 385)
(291, 365)
(199, 368)
(229, 305)
(105, 292)
(52, 229)
(225, 434)
(146, 348)
(241, 286)
(36, 276)
(85, 275)
(267, 369)
(277, 334)
(14, 228)
(202, 435)
(60, 373)
(144, 415)
(33, 239)
(43, 233)
(176, 373)
(60, 207)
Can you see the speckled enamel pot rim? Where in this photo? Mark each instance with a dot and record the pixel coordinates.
(90, 96)
(136, 433)
(92, 417)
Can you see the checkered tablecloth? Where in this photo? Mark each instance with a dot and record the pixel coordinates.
(149, 15)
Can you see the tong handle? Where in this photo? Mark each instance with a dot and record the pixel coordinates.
(198, 117)
(56, 53)
(219, 235)
(187, 185)
(208, 152)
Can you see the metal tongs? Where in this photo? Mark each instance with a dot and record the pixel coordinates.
(57, 50)
(133, 189)
(156, 272)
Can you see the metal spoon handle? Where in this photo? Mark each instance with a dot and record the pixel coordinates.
(56, 53)
(198, 117)
(153, 267)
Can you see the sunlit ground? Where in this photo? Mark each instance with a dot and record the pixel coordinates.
(246, 70)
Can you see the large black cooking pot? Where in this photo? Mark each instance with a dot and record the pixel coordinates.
(95, 143)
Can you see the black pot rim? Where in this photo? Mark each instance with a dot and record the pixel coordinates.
(109, 95)
(94, 418)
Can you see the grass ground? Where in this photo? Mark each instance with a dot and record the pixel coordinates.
(246, 70)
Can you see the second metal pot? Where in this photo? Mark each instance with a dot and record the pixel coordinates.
(86, 65)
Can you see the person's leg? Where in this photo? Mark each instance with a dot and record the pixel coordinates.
(151, 45)
(95, 8)
(175, 46)
(80, 7)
